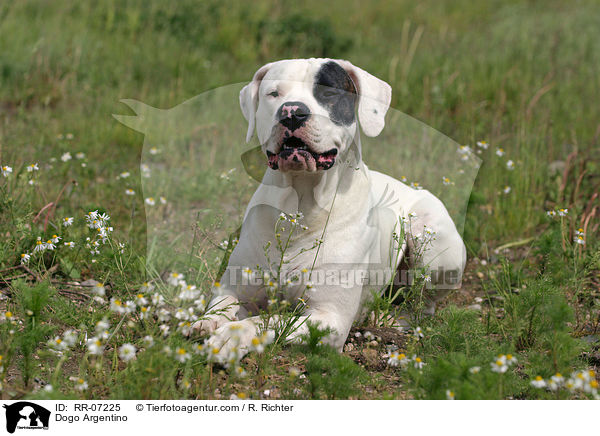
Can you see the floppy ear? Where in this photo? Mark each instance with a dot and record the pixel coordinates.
(374, 96)
(249, 99)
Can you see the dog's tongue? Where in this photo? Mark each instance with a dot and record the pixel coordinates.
(296, 160)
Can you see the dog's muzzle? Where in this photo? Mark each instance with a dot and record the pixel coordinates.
(295, 155)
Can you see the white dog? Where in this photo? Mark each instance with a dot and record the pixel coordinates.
(306, 114)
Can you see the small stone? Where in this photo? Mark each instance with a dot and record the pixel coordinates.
(476, 307)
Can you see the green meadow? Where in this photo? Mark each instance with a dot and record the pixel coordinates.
(515, 83)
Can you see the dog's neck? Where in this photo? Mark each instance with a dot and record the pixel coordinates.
(318, 192)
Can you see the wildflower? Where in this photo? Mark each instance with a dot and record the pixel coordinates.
(66, 157)
(95, 346)
(100, 289)
(446, 181)
(539, 382)
(182, 355)
(483, 144)
(474, 369)
(499, 365)
(507, 189)
(70, 244)
(185, 327)
(49, 245)
(558, 378)
(39, 245)
(102, 325)
(162, 200)
(67, 221)
(123, 175)
(579, 239)
(141, 300)
(449, 395)
(189, 292)
(25, 258)
(80, 155)
(246, 273)
(157, 299)
(116, 305)
(464, 151)
(69, 337)
(145, 170)
(6, 170)
(148, 341)
(48, 388)
(398, 359)
(563, 212)
(57, 344)
(127, 352)
(415, 185)
(175, 278)
(130, 306)
(259, 342)
(419, 364)
(500, 152)
(239, 371)
(144, 312)
(403, 179)
(81, 385)
(200, 304)
(418, 333)
(55, 239)
(129, 191)
(150, 201)
(33, 167)
(154, 151)
(164, 329)
(510, 359)
(69, 136)
(510, 165)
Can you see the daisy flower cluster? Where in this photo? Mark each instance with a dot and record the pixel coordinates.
(399, 359)
(562, 212)
(465, 152)
(502, 363)
(60, 344)
(579, 381)
(234, 352)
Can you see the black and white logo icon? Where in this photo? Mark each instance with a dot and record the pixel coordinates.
(26, 415)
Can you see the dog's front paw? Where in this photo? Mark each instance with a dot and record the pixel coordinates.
(209, 324)
(231, 342)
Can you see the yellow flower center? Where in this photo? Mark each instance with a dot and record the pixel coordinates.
(418, 359)
(181, 351)
(539, 378)
(8, 314)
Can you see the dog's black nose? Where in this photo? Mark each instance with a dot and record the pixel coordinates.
(293, 114)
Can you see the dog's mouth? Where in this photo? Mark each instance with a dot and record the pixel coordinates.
(295, 155)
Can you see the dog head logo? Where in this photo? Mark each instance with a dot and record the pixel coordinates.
(26, 415)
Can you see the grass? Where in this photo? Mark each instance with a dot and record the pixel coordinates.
(520, 75)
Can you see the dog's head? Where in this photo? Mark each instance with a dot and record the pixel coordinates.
(304, 110)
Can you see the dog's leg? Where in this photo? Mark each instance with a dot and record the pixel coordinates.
(235, 338)
(444, 253)
(223, 309)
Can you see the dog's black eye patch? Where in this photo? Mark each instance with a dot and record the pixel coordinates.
(335, 91)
